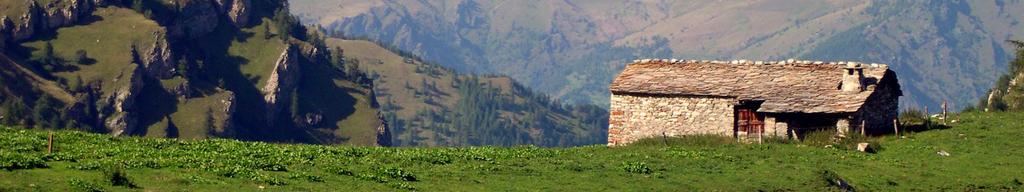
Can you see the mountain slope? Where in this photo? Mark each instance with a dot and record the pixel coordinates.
(241, 69)
(429, 105)
(571, 49)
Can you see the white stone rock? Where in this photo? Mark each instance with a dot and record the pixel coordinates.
(863, 147)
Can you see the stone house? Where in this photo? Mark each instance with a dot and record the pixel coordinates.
(746, 99)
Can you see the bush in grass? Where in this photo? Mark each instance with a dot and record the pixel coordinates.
(118, 177)
(636, 167)
(819, 138)
(913, 116)
(397, 173)
(834, 180)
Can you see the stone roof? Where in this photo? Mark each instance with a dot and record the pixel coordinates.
(790, 86)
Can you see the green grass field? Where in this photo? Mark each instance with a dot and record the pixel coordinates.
(259, 53)
(985, 154)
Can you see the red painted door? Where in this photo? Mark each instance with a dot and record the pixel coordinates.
(750, 122)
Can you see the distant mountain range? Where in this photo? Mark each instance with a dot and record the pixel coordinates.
(571, 49)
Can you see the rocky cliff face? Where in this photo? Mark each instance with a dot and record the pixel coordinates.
(159, 61)
(229, 112)
(196, 18)
(45, 17)
(238, 11)
(120, 112)
(383, 132)
(281, 82)
(200, 17)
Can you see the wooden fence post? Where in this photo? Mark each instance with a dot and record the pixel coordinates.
(49, 143)
(664, 138)
(862, 133)
(944, 110)
(896, 127)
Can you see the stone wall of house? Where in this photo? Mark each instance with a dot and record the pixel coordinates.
(881, 107)
(635, 117)
(775, 128)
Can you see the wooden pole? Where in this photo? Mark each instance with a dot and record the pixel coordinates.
(944, 110)
(862, 133)
(664, 138)
(896, 127)
(49, 143)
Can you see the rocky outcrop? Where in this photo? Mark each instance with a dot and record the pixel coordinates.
(159, 61)
(383, 132)
(120, 114)
(57, 16)
(196, 18)
(183, 90)
(238, 11)
(57, 13)
(28, 23)
(200, 17)
(227, 125)
(281, 83)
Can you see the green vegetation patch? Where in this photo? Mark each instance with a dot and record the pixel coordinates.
(194, 118)
(256, 53)
(981, 153)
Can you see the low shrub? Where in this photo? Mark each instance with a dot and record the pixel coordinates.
(819, 138)
(636, 167)
(118, 177)
(835, 181)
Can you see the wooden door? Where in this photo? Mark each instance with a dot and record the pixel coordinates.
(750, 122)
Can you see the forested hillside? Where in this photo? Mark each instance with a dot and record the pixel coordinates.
(942, 50)
(243, 69)
(430, 105)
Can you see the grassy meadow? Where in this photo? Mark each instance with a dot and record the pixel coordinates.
(984, 154)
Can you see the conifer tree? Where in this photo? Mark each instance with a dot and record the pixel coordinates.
(43, 113)
(49, 59)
